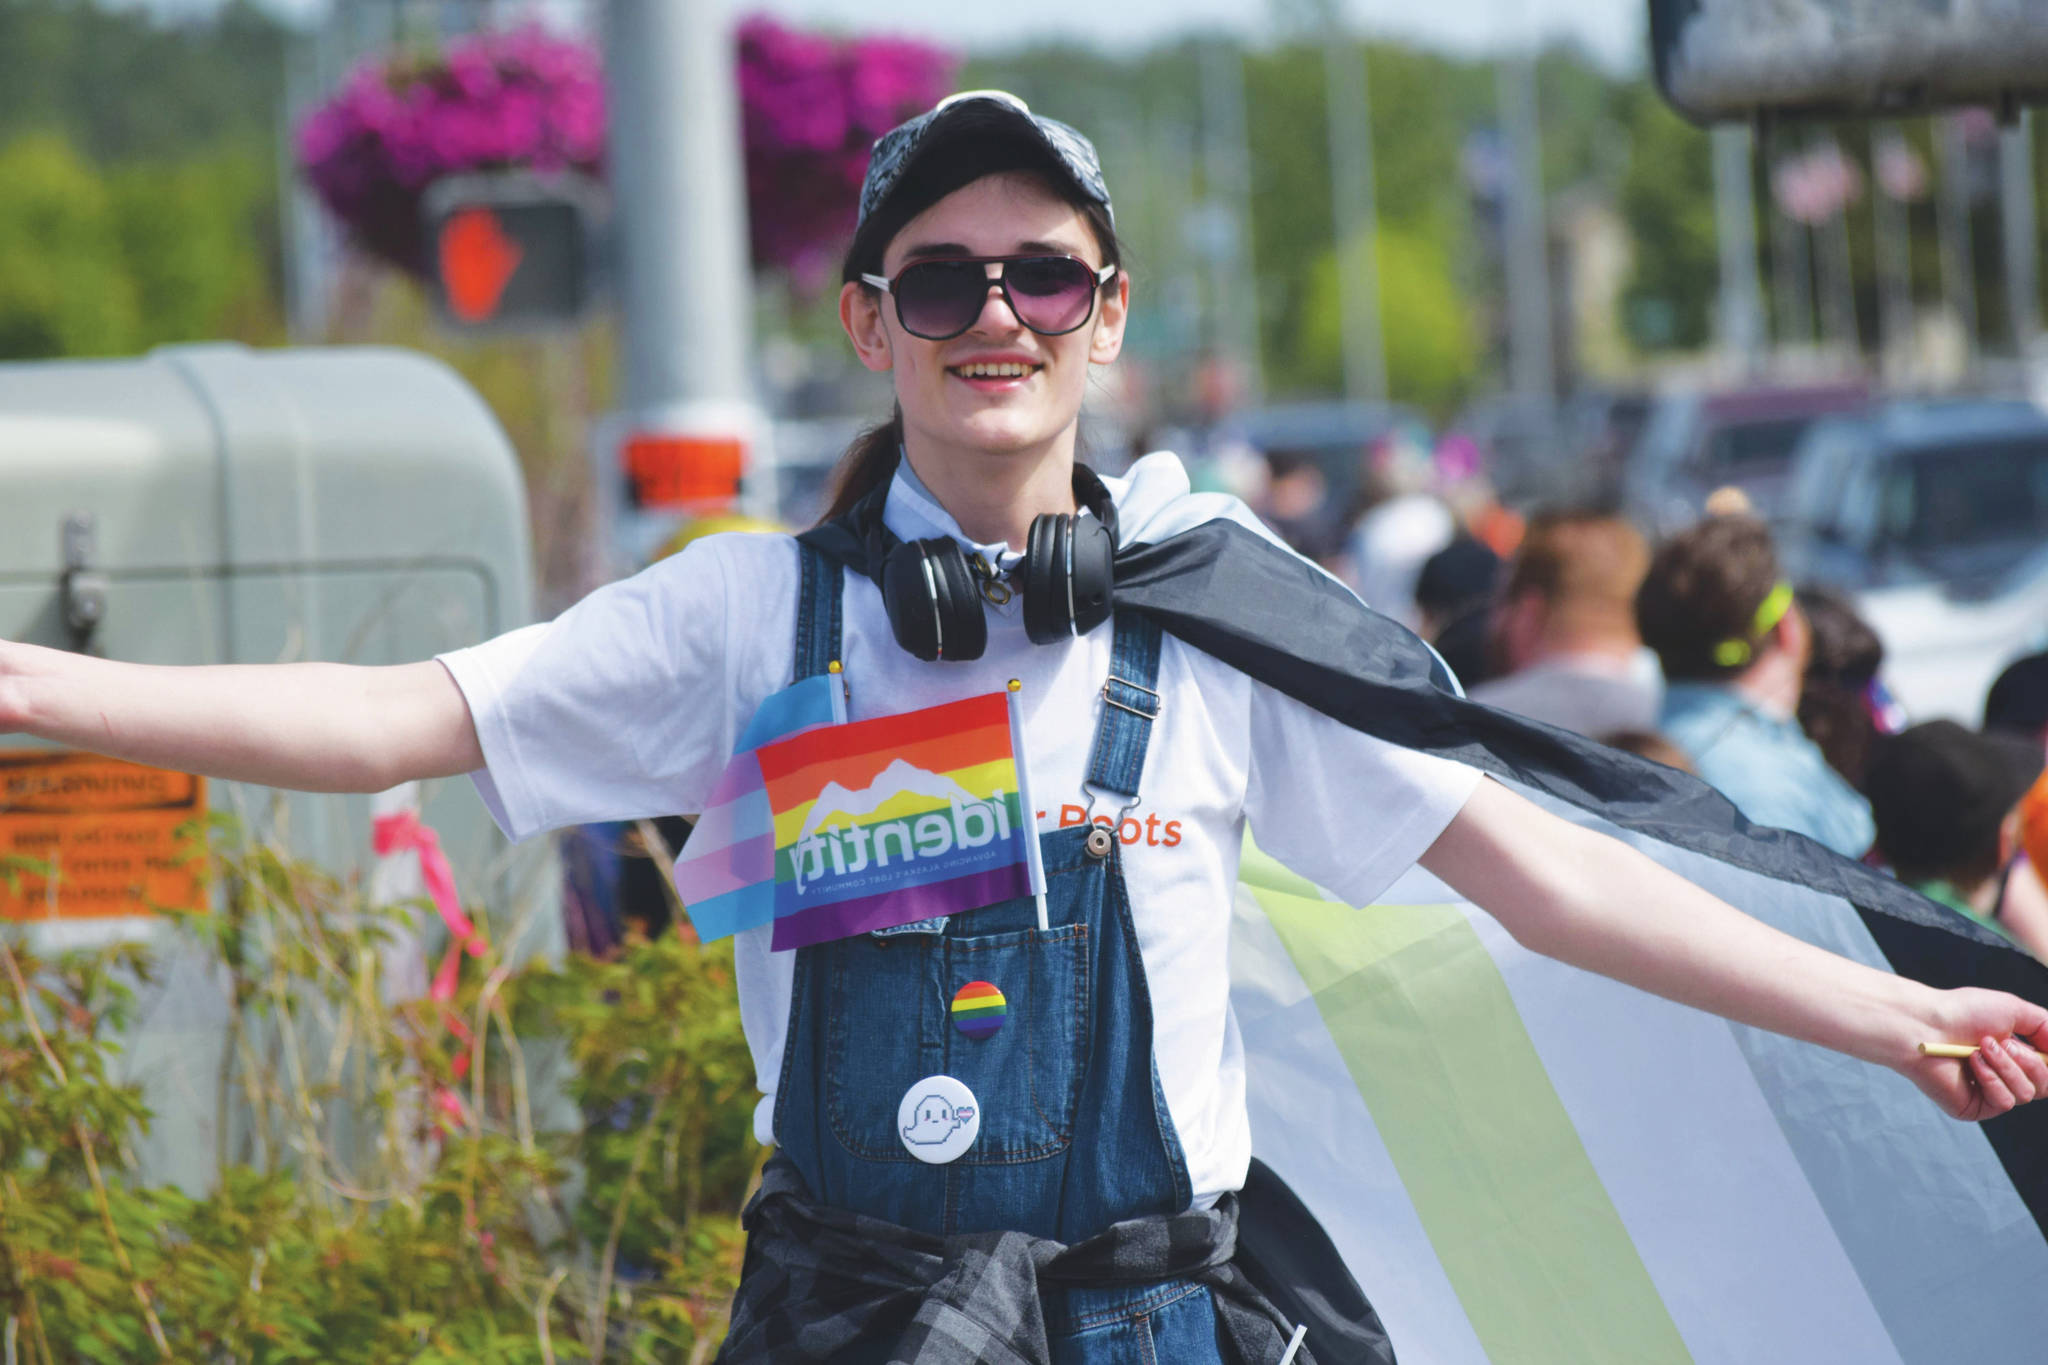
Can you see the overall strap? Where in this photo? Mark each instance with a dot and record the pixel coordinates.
(817, 612)
(1130, 702)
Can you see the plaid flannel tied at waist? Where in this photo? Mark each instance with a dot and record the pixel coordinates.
(819, 1278)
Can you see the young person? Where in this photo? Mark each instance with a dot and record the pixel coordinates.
(1734, 647)
(1947, 805)
(1564, 628)
(1091, 1216)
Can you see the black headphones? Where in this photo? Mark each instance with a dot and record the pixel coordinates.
(933, 595)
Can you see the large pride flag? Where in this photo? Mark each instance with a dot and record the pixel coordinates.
(827, 828)
(1523, 1162)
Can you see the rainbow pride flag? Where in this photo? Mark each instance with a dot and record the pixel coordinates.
(896, 819)
(827, 828)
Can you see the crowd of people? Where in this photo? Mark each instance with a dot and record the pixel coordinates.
(1699, 653)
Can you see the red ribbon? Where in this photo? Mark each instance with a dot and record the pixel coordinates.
(402, 832)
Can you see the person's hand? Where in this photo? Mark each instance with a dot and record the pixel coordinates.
(2006, 1070)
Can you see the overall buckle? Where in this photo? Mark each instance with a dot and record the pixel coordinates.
(1137, 705)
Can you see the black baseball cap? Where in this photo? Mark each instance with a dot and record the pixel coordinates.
(2018, 701)
(1939, 791)
(1461, 574)
(978, 115)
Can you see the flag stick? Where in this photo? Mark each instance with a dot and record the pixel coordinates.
(1029, 810)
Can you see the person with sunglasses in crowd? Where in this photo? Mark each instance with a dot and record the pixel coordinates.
(1055, 1178)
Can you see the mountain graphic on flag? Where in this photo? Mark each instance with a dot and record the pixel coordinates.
(898, 779)
(827, 828)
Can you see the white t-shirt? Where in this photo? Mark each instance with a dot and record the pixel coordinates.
(630, 702)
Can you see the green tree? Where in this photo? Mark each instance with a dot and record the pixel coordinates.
(137, 177)
(64, 289)
(199, 243)
(110, 262)
(1667, 196)
(1432, 353)
(121, 85)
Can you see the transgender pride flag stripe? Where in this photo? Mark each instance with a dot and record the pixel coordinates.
(726, 874)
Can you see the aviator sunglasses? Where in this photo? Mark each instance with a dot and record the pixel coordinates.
(940, 297)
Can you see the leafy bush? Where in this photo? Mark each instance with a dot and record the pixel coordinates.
(391, 1189)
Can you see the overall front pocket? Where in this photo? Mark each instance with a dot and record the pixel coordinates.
(891, 1026)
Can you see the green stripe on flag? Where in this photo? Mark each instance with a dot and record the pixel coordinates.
(1525, 1231)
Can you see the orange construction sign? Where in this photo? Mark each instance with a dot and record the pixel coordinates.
(106, 829)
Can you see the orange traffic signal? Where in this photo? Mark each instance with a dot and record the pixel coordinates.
(511, 250)
(477, 261)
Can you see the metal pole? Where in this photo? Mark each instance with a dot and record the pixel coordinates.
(1791, 274)
(1227, 169)
(1838, 287)
(2022, 249)
(1354, 218)
(1175, 140)
(1958, 266)
(1528, 256)
(1892, 228)
(305, 234)
(1742, 309)
(684, 282)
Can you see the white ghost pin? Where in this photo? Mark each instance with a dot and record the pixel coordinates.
(938, 1119)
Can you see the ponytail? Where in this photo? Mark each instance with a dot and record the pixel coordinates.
(866, 465)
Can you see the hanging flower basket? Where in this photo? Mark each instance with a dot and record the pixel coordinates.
(521, 99)
(811, 109)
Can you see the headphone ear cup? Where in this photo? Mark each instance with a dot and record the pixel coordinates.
(961, 618)
(934, 611)
(1094, 573)
(908, 599)
(1045, 579)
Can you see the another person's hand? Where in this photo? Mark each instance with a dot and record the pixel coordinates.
(2005, 1071)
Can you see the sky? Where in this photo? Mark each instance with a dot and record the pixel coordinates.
(1612, 30)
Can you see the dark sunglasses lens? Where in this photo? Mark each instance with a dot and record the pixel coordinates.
(1052, 294)
(940, 299)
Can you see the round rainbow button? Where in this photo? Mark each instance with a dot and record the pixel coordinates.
(979, 1009)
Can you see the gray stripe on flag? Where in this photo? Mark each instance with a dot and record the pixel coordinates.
(1948, 1251)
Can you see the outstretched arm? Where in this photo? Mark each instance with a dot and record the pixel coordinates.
(1579, 896)
(312, 727)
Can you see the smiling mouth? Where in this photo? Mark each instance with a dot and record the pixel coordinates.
(1004, 369)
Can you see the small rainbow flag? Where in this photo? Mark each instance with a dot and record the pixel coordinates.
(901, 818)
(828, 828)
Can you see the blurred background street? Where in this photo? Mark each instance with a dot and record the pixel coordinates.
(1350, 224)
(363, 330)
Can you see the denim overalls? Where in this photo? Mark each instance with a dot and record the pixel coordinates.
(1075, 1133)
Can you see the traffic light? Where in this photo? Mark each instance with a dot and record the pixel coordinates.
(512, 251)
